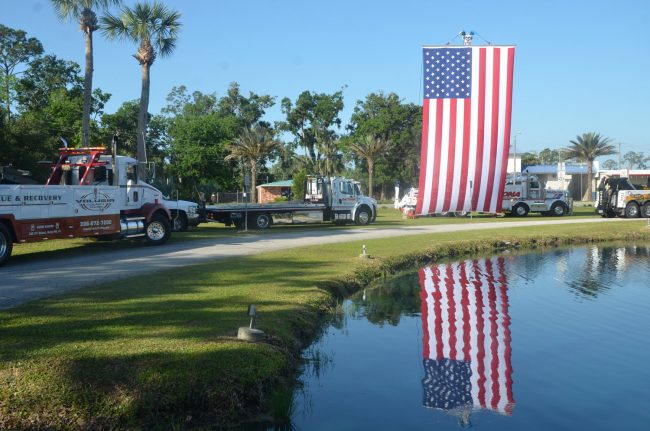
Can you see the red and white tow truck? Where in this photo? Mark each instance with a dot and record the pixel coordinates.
(526, 193)
(88, 194)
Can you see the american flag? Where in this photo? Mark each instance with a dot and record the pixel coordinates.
(466, 336)
(465, 128)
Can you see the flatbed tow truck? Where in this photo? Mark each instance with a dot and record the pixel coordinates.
(327, 199)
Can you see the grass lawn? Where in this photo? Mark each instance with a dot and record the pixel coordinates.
(159, 351)
(387, 217)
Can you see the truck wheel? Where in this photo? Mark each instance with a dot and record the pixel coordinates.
(6, 244)
(262, 221)
(632, 210)
(645, 210)
(520, 210)
(180, 222)
(158, 230)
(363, 216)
(558, 209)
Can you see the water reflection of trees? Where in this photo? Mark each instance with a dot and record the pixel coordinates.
(603, 268)
(387, 303)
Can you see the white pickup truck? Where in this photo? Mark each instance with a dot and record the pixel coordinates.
(88, 193)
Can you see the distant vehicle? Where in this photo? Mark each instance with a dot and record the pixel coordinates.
(184, 213)
(88, 194)
(327, 199)
(526, 193)
(617, 196)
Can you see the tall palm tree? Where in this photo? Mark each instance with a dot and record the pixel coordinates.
(370, 148)
(587, 148)
(251, 147)
(83, 11)
(155, 29)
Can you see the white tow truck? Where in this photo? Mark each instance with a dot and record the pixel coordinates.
(88, 194)
(335, 199)
(524, 193)
(617, 196)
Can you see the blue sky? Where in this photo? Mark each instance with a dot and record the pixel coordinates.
(580, 65)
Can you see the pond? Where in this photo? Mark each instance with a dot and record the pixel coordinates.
(555, 340)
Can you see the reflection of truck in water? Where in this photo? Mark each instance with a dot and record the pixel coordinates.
(617, 196)
(335, 199)
(88, 194)
(526, 193)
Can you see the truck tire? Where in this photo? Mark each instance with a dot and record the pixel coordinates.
(364, 215)
(180, 222)
(632, 210)
(261, 221)
(558, 209)
(645, 210)
(158, 229)
(6, 244)
(520, 210)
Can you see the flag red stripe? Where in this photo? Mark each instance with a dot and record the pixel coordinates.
(480, 339)
(494, 129)
(423, 152)
(506, 129)
(437, 296)
(465, 160)
(494, 335)
(466, 315)
(436, 152)
(505, 312)
(451, 307)
(424, 308)
(451, 154)
(481, 127)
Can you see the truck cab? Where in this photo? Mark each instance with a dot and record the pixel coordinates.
(343, 198)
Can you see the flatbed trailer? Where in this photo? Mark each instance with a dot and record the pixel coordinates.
(327, 199)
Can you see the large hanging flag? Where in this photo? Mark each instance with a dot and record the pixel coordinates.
(465, 128)
(466, 336)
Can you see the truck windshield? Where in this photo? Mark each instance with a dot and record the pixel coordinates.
(357, 190)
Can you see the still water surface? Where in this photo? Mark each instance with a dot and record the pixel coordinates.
(552, 341)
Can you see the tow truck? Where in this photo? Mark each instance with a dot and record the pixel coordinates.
(524, 193)
(327, 199)
(617, 196)
(89, 193)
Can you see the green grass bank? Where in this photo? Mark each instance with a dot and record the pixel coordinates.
(159, 352)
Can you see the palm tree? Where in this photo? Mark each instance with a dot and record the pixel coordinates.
(87, 18)
(370, 148)
(155, 28)
(587, 148)
(251, 146)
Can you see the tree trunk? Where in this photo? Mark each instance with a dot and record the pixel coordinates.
(142, 120)
(590, 168)
(88, 91)
(382, 196)
(8, 101)
(253, 182)
(371, 169)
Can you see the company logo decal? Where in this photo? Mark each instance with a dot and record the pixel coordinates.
(95, 201)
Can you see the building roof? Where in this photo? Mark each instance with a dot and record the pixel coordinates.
(286, 183)
(552, 169)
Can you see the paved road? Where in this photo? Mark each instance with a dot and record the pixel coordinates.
(24, 281)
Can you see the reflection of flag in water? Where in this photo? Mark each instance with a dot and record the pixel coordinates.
(466, 336)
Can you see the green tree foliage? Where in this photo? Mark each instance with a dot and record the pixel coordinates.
(247, 110)
(386, 117)
(370, 148)
(298, 187)
(586, 148)
(83, 12)
(15, 49)
(155, 29)
(311, 120)
(634, 160)
(610, 164)
(251, 147)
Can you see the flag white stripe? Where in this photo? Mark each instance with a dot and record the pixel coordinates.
(444, 154)
(473, 130)
(458, 155)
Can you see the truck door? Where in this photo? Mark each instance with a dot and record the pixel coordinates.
(343, 199)
(133, 190)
